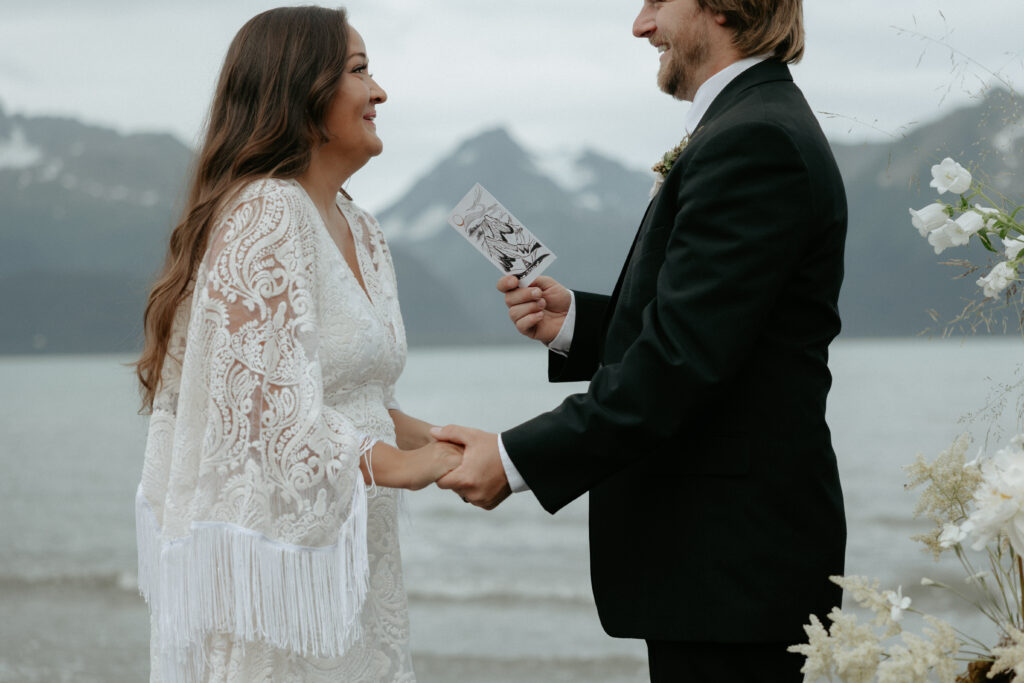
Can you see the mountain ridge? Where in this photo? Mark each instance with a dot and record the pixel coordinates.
(87, 212)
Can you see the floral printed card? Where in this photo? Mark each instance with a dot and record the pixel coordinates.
(499, 236)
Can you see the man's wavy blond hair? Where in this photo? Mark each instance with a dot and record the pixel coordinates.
(762, 27)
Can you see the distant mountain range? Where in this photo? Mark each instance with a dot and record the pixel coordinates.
(84, 216)
(86, 213)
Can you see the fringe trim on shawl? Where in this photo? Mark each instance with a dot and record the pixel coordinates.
(224, 578)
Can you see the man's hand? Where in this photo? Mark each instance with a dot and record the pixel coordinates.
(480, 479)
(538, 311)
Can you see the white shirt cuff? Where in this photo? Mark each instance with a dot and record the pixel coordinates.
(515, 480)
(563, 340)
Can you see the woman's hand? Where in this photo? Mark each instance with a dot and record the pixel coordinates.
(410, 469)
(431, 462)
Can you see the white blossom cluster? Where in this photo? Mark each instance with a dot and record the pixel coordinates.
(949, 485)
(1011, 655)
(942, 226)
(998, 501)
(858, 653)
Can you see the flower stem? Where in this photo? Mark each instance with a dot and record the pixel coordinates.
(1020, 575)
(998, 573)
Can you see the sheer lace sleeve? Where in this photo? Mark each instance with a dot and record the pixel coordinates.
(264, 517)
(255, 333)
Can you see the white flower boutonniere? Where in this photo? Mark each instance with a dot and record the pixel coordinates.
(664, 165)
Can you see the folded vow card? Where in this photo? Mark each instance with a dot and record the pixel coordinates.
(499, 236)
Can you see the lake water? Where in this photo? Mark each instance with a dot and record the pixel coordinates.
(500, 596)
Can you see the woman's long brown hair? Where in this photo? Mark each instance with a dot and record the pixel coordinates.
(268, 114)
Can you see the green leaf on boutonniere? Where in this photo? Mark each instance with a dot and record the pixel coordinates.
(668, 159)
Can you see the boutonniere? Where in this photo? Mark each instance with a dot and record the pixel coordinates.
(664, 165)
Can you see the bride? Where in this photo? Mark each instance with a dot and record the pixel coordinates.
(266, 514)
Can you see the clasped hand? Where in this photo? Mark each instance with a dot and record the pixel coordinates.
(480, 478)
(538, 312)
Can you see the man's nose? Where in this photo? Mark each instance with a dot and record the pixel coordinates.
(643, 25)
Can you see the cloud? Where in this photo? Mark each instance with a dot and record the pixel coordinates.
(567, 74)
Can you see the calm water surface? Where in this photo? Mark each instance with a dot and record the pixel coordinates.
(501, 596)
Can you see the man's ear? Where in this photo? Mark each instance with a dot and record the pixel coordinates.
(720, 18)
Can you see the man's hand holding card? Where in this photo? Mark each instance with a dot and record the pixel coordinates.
(538, 311)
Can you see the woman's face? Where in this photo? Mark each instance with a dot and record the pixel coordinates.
(351, 116)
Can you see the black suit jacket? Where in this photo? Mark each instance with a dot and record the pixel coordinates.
(716, 512)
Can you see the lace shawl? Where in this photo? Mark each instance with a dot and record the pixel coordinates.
(251, 513)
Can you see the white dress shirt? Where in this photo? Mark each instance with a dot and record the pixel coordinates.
(702, 99)
(713, 87)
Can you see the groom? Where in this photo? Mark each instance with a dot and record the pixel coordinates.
(716, 514)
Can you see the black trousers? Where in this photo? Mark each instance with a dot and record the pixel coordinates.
(678, 662)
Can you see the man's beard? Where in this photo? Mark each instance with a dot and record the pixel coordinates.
(677, 78)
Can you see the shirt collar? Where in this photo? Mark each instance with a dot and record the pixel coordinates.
(713, 87)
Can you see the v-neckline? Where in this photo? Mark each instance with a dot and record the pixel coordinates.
(360, 277)
(360, 280)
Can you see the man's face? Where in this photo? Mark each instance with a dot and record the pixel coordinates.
(680, 31)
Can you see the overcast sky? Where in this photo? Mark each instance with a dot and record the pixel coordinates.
(560, 74)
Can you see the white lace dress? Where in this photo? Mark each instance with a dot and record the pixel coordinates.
(261, 553)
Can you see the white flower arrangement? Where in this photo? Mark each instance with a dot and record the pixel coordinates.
(976, 508)
(977, 505)
(942, 226)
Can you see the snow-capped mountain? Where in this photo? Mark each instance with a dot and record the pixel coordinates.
(86, 213)
(589, 228)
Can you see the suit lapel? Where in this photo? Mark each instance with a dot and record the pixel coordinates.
(632, 248)
(766, 71)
